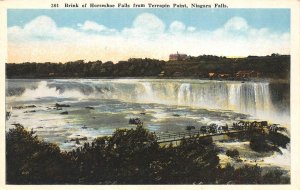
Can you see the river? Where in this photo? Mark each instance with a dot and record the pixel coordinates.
(99, 106)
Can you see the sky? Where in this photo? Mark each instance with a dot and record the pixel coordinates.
(37, 35)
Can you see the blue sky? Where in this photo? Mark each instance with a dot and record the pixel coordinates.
(205, 19)
(119, 34)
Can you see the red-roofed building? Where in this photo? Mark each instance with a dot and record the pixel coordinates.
(177, 57)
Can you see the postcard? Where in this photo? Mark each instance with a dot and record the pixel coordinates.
(99, 94)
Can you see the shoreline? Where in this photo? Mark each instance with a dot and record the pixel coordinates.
(270, 80)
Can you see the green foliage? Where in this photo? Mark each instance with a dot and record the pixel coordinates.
(258, 143)
(233, 153)
(130, 68)
(30, 160)
(278, 139)
(262, 142)
(193, 161)
(127, 157)
(249, 174)
(268, 66)
(226, 175)
(275, 177)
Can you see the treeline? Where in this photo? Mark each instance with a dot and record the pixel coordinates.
(130, 68)
(275, 66)
(127, 157)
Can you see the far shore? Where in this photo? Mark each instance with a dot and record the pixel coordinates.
(270, 80)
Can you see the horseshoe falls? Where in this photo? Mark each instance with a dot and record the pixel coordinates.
(252, 98)
(164, 105)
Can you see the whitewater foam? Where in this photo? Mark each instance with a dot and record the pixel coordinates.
(252, 98)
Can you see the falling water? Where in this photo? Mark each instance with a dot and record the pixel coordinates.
(250, 97)
(114, 101)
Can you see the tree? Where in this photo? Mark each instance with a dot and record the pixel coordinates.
(127, 157)
(232, 153)
(30, 160)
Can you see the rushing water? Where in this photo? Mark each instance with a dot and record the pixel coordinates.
(163, 105)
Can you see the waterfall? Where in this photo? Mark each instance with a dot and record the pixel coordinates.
(148, 94)
(250, 97)
(234, 96)
(184, 94)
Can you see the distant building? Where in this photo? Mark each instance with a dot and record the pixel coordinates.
(177, 57)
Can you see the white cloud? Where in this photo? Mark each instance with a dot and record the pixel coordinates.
(177, 27)
(147, 22)
(40, 29)
(191, 29)
(95, 27)
(41, 26)
(145, 26)
(146, 37)
(236, 23)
